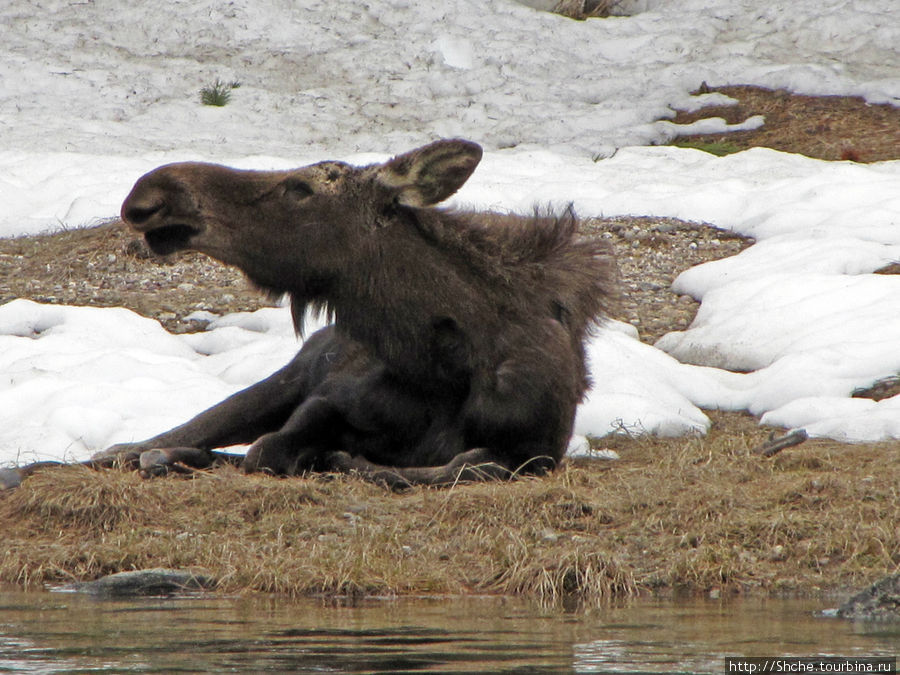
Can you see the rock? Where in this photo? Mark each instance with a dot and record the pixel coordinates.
(549, 536)
(778, 553)
(9, 479)
(879, 602)
(140, 583)
(605, 454)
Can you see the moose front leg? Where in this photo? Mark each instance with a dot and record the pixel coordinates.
(241, 418)
(161, 461)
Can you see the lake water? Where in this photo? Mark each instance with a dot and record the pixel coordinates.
(68, 633)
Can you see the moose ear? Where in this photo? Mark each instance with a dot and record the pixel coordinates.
(430, 174)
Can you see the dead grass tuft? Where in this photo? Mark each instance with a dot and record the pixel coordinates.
(74, 497)
(586, 576)
(585, 9)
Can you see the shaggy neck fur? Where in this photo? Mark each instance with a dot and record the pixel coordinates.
(439, 293)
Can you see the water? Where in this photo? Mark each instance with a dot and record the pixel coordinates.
(63, 633)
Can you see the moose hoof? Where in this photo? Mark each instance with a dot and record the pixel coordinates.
(339, 461)
(162, 461)
(271, 454)
(154, 463)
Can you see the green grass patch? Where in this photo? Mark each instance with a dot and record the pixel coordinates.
(217, 94)
(717, 148)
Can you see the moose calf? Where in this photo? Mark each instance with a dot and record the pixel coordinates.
(456, 350)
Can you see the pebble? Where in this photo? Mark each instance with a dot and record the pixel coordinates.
(689, 541)
(747, 557)
(778, 553)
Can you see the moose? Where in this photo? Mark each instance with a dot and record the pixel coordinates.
(456, 348)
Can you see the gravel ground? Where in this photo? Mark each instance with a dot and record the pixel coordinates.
(650, 253)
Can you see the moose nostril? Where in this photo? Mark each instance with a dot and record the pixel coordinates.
(136, 215)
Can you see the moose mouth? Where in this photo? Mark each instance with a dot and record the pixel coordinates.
(170, 238)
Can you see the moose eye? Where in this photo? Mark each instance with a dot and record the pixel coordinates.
(297, 188)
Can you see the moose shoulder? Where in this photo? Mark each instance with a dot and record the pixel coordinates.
(457, 345)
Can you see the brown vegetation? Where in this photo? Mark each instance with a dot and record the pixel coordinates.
(585, 9)
(823, 127)
(695, 515)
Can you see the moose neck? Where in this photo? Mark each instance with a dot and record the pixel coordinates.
(421, 305)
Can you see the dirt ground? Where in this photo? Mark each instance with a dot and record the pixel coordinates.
(702, 515)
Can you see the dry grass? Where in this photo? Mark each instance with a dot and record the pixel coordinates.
(823, 127)
(671, 515)
(585, 9)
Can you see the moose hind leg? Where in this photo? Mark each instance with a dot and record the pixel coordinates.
(311, 431)
(472, 466)
(161, 461)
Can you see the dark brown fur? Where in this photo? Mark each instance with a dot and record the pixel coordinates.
(457, 338)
